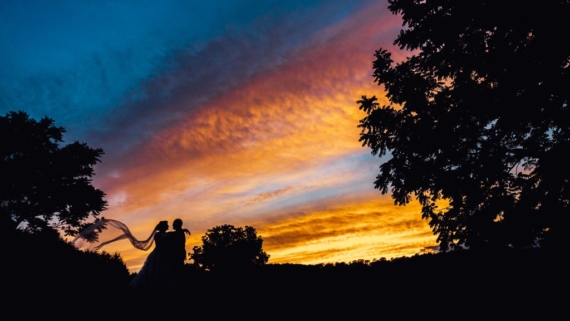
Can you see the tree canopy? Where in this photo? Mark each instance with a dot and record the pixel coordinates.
(44, 185)
(477, 115)
(227, 247)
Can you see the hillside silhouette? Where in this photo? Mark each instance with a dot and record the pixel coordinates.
(50, 277)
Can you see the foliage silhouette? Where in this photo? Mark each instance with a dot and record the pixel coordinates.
(227, 248)
(44, 260)
(45, 185)
(478, 116)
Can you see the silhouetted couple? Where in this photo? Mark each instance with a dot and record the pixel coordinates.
(163, 266)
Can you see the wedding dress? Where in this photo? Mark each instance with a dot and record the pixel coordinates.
(157, 271)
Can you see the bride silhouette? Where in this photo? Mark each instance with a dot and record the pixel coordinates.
(157, 271)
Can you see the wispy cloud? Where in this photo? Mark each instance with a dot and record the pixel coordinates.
(264, 196)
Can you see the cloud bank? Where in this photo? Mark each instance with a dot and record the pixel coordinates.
(250, 123)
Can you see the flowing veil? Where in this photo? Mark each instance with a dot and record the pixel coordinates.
(108, 231)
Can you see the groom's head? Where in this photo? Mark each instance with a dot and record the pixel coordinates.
(177, 224)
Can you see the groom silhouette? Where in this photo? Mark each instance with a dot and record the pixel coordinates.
(177, 248)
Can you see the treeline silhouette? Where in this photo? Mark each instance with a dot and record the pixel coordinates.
(504, 282)
(48, 276)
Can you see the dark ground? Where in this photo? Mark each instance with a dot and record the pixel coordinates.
(461, 285)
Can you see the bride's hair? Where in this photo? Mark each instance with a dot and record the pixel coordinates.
(162, 225)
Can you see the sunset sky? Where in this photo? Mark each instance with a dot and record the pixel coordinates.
(219, 112)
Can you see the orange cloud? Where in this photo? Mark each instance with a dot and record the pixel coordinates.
(279, 152)
(301, 115)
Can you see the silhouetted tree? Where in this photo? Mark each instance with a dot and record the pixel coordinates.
(42, 184)
(478, 115)
(227, 247)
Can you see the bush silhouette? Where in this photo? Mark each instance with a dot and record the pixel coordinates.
(227, 247)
